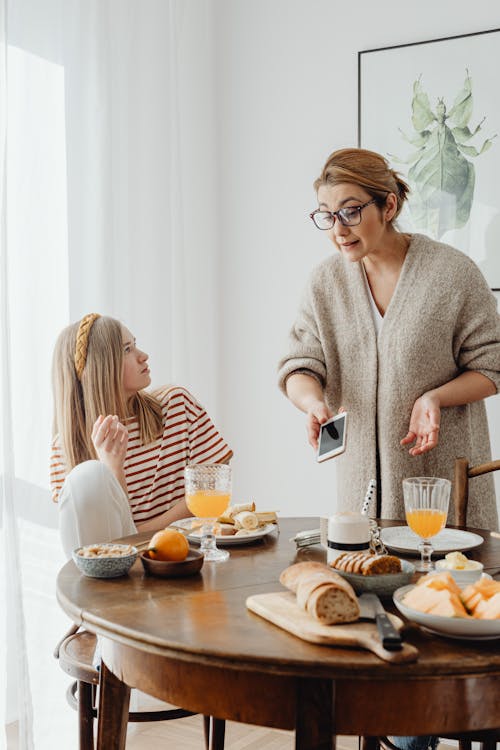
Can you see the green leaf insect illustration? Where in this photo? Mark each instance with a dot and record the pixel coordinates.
(441, 176)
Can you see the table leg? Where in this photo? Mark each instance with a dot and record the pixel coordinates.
(114, 698)
(315, 717)
(214, 731)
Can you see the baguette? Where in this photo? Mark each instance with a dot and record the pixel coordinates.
(321, 592)
(290, 576)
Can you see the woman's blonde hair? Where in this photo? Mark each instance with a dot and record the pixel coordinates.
(367, 169)
(84, 390)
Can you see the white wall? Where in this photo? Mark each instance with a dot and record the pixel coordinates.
(286, 77)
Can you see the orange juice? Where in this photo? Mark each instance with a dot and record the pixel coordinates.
(207, 503)
(426, 522)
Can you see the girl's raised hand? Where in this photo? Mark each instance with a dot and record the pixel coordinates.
(110, 438)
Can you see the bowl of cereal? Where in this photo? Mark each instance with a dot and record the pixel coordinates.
(105, 560)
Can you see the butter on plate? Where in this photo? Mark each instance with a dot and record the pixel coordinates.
(458, 561)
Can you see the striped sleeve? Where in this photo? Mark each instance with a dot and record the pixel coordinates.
(57, 470)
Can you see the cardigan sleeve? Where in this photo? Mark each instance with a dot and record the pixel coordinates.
(477, 336)
(305, 351)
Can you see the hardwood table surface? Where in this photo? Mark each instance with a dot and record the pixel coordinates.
(193, 642)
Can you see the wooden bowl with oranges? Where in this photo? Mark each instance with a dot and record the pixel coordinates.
(170, 556)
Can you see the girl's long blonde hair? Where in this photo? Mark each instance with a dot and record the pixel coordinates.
(79, 402)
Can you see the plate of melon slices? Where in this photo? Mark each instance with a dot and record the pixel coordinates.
(471, 613)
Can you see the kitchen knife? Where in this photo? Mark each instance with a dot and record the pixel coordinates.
(372, 609)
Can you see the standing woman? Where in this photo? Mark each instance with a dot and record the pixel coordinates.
(119, 452)
(400, 330)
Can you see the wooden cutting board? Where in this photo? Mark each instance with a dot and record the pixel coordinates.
(281, 609)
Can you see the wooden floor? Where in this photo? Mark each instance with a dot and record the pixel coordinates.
(187, 734)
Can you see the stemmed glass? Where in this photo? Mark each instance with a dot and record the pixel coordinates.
(208, 494)
(426, 506)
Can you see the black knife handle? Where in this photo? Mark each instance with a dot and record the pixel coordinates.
(391, 640)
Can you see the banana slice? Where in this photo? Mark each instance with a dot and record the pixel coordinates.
(246, 520)
(233, 510)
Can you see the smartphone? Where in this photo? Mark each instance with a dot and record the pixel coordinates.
(332, 437)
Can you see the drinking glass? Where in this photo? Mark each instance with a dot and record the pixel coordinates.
(426, 508)
(208, 494)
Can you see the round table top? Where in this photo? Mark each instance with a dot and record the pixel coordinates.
(204, 618)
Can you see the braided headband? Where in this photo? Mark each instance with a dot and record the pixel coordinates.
(82, 342)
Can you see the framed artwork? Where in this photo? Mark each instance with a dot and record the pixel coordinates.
(433, 110)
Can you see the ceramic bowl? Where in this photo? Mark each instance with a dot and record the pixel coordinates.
(171, 569)
(106, 566)
(462, 577)
(383, 584)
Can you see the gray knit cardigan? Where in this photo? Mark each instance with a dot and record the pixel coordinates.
(442, 320)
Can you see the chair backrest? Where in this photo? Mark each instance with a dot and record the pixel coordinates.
(464, 472)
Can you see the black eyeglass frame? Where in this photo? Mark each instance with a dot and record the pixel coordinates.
(339, 215)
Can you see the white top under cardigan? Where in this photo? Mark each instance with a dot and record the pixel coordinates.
(378, 318)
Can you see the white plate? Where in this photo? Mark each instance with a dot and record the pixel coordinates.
(402, 539)
(454, 627)
(224, 541)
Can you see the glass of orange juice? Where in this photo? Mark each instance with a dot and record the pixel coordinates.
(426, 508)
(208, 494)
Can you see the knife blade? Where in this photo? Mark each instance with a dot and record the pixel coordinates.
(372, 609)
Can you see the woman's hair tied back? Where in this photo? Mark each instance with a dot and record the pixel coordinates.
(367, 169)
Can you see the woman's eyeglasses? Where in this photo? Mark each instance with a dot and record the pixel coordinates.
(348, 217)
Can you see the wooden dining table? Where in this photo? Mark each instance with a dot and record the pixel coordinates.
(193, 642)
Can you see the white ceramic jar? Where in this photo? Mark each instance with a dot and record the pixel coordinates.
(347, 532)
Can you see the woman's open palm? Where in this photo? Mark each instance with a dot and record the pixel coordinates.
(423, 432)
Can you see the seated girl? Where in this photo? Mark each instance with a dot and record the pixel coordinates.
(119, 452)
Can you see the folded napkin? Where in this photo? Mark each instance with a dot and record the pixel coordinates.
(306, 538)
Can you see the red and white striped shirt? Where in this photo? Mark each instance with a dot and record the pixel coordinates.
(155, 473)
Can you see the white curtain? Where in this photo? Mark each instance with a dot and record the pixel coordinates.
(107, 196)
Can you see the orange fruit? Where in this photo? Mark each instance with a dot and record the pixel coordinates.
(168, 544)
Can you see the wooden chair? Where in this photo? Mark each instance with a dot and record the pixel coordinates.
(464, 472)
(75, 653)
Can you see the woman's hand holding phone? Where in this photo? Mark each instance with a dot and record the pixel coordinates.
(317, 414)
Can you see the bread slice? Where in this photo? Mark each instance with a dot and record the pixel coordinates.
(308, 582)
(367, 563)
(331, 604)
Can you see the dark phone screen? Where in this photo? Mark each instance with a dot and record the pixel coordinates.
(331, 436)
